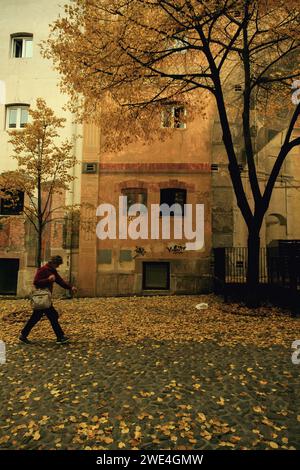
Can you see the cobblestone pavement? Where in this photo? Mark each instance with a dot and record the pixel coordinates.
(149, 394)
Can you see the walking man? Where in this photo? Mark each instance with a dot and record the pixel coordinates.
(44, 279)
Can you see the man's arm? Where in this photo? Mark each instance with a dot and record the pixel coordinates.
(59, 280)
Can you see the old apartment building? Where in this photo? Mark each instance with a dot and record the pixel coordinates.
(175, 171)
(190, 166)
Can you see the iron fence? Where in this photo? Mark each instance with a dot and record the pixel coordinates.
(231, 264)
(277, 265)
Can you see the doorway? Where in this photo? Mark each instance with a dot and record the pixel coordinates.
(9, 269)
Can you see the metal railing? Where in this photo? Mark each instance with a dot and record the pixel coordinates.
(277, 266)
(231, 264)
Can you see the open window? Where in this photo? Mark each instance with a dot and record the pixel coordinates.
(173, 116)
(172, 196)
(21, 45)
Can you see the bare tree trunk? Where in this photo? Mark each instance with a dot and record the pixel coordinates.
(253, 297)
(39, 247)
(40, 219)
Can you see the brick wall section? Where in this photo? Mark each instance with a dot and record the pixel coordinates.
(170, 183)
(56, 227)
(12, 235)
(4, 234)
(154, 167)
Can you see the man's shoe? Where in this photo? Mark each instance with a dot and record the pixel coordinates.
(63, 340)
(24, 339)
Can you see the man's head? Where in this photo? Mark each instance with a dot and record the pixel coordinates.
(56, 261)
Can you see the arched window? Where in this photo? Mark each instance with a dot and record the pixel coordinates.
(276, 219)
(276, 227)
(135, 196)
(172, 196)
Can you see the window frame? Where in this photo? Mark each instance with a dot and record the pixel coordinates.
(148, 264)
(179, 43)
(19, 107)
(125, 191)
(12, 211)
(170, 109)
(183, 190)
(24, 37)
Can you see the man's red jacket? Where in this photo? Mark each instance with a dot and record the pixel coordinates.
(41, 278)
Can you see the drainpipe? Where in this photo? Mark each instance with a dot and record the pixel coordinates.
(70, 295)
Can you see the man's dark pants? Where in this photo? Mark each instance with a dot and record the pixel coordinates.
(52, 316)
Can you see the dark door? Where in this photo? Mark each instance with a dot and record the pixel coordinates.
(9, 269)
(156, 275)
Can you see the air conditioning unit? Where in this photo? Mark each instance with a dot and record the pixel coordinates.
(90, 167)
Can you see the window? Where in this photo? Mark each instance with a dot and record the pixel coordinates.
(9, 269)
(17, 116)
(178, 40)
(22, 46)
(180, 44)
(173, 116)
(13, 204)
(156, 276)
(135, 196)
(172, 196)
(90, 167)
(214, 167)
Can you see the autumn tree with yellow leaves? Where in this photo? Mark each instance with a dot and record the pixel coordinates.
(122, 60)
(43, 168)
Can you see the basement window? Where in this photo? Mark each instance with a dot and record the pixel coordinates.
(156, 276)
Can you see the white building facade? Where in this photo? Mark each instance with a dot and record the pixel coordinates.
(25, 76)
